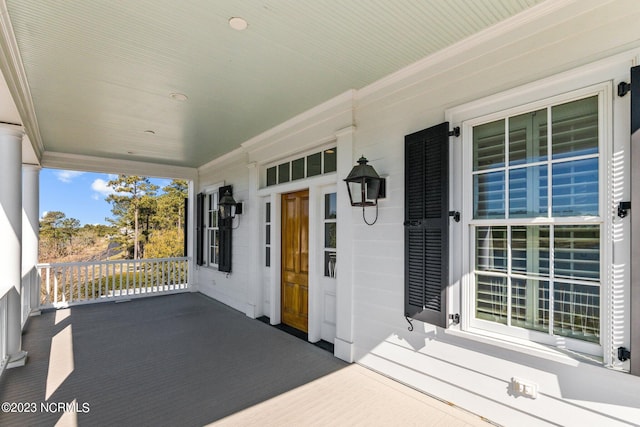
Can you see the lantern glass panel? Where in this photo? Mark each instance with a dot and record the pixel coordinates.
(373, 190)
(355, 193)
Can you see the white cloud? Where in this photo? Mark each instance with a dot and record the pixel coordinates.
(67, 176)
(101, 187)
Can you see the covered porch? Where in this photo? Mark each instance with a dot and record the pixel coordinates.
(188, 360)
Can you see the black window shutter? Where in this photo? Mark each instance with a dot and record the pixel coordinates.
(200, 199)
(224, 231)
(635, 219)
(426, 223)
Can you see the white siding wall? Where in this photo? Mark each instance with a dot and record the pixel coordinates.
(371, 328)
(230, 288)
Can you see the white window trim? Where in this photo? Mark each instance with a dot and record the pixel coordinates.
(596, 78)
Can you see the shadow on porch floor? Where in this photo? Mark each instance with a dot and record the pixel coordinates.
(188, 360)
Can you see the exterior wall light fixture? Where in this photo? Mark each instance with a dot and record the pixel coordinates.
(365, 187)
(229, 208)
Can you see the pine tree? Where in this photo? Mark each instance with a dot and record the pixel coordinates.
(133, 194)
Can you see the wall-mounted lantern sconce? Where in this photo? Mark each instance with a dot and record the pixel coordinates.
(365, 187)
(229, 208)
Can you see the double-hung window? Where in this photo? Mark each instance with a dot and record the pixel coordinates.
(212, 231)
(536, 228)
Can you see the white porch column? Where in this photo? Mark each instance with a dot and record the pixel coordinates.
(343, 345)
(30, 236)
(191, 237)
(253, 220)
(11, 237)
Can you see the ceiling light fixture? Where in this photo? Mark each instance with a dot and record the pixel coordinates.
(238, 23)
(178, 96)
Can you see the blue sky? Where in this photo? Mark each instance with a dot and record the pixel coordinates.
(79, 195)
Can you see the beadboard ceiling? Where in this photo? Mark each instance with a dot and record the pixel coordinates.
(100, 73)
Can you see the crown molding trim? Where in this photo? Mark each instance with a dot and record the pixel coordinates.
(16, 78)
(76, 162)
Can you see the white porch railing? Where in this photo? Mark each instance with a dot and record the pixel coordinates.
(64, 284)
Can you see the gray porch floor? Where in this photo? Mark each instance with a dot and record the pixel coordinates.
(186, 360)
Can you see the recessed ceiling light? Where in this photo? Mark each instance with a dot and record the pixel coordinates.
(150, 132)
(238, 23)
(178, 96)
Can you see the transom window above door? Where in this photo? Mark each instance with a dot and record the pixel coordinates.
(313, 164)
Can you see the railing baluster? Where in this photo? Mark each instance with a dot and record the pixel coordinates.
(48, 270)
(135, 277)
(55, 285)
(164, 275)
(69, 283)
(78, 282)
(63, 277)
(126, 277)
(72, 282)
(171, 275)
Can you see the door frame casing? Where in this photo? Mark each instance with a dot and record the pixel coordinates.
(314, 186)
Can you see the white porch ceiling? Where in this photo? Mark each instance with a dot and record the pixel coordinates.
(100, 72)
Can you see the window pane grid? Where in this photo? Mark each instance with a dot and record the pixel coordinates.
(536, 220)
(520, 278)
(566, 154)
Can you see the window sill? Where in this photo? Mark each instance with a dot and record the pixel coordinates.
(555, 354)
